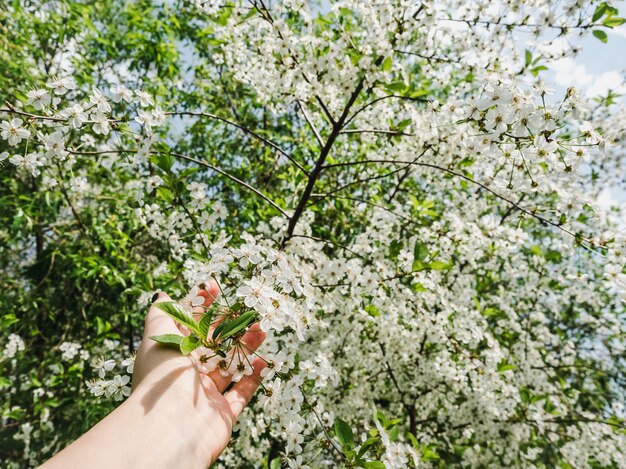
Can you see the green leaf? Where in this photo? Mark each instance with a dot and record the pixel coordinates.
(403, 124)
(366, 445)
(387, 64)
(429, 454)
(524, 395)
(230, 328)
(439, 265)
(380, 416)
(205, 324)
(418, 93)
(8, 320)
(529, 57)
(165, 161)
(539, 68)
(218, 329)
(178, 314)
(393, 433)
(396, 86)
(394, 249)
(491, 312)
(165, 194)
(189, 344)
(613, 22)
(553, 256)
(505, 366)
(167, 338)
(599, 12)
(372, 310)
(373, 465)
(102, 325)
(600, 35)
(420, 251)
(343, 432)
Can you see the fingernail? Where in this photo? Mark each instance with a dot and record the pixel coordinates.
(155, 297)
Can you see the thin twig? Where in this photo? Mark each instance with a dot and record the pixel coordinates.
(12, 110)
(476, 21)
(381, 98)
(311, 125)
(315, 238)
(376, 131)
(473, 181)
(243, 128)
(328, 437)
(200, 162)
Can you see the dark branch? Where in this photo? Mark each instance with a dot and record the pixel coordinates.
(245, 129)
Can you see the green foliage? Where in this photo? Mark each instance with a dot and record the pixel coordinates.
(178, 314)
(188, 344)
(168, 339)
(229, 328)
(601, 35)
(344, 433)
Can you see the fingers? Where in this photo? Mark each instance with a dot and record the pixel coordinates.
(253, 339)
(210, 293)
(157, 322)
(250, 341)
(241, 393)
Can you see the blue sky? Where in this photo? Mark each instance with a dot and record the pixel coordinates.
(598, 68)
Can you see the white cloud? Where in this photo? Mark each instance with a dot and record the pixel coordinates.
(610, 198)
(568, 72)
(606, 81)
(620, 31)
(606, 199)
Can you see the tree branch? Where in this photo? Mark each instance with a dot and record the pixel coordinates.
(376, 131)
(200, 162)
(311, 125)
(577, 237)
(320, 163)
(373, 178)
(381, 98)
(243, 128)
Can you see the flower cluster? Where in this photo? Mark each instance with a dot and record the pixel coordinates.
(616, 263)
(60, 111)
(257, 284)
(14, 345)
(111, 383)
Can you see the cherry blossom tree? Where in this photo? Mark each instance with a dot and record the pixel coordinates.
(388, 187)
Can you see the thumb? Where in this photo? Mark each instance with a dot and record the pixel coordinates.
(157, 322)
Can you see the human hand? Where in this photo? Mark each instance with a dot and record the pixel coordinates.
(176, 416)
(162, 371)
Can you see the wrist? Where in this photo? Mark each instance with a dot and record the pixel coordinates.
(185, 419)
(156, 427)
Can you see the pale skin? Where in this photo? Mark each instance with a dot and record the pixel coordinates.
(175, 416)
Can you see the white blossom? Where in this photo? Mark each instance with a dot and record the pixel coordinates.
(13, 132)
